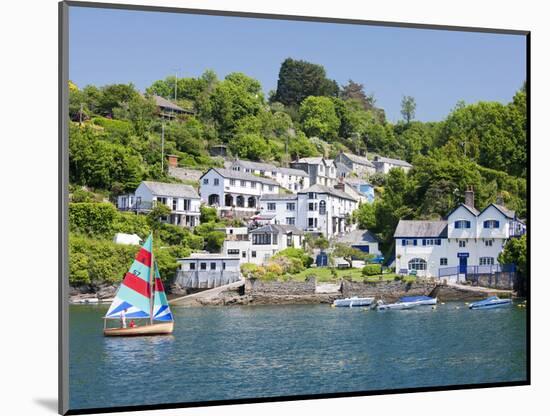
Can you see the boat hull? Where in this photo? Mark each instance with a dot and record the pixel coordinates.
(164, 328)
(494, 305)
(352, 302)
(397, 306)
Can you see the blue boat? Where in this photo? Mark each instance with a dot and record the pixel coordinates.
(419, 300)
(491, 303)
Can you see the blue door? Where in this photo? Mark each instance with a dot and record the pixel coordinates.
(463, 264)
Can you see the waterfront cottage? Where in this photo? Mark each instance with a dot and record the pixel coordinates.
(318, 209)
(268, 240)
(234, 193)
(466, 242)
(206, 270)
(183, 201)
(385, 164)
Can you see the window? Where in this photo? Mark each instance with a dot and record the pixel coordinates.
(322, 207)
(223, 265)
(274, 174)
(232, 182)
(403, 242)
(312, 206)
(312, 195)
(431, 242)
(261, 239)
(443, 261)
(271, 188)
(417, 264)
(205, 181)
(242, 183)
(290, 221)
(483, 261)
(216, 181)
(290, 206)
(262, 173)
(203, 266)
(244, 255)
(186, 204)
(254, 254)
(212, 266)
(174, 204)
(462, 224)
(289, 240)
(233, 251)
(462, 243)
(253, 185)
(312, 222)
(161, 200)
(191, 266)
(488, 243)
(491, 224)
(271, 206)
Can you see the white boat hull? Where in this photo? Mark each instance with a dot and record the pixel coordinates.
(494, 305)
(352, 302)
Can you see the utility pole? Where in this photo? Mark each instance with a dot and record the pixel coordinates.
(80, 114)
(162, 149)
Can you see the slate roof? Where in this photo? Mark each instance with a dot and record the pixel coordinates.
(278, 197)
(277, 229)
(408, 228)
(235, 174)
(248, 164)
(358, 237)
(291, 171)
(171, 189)
(163, 102)
(311, 160)
(360, 160)
(396, 162)
(321, 189)
(505, 211)
(472, 210)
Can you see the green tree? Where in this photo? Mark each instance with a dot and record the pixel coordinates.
(408, 108)
(515, 252)
(113, 96)
(355, 91)
(250, 146)
(300, 79)
(157, 215)
(300, 146)
(348, 253)
(318, 117)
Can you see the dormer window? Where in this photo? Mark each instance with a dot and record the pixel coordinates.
(491, 224)
(462, 224)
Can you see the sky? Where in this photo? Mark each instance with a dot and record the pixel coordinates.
(438, 68)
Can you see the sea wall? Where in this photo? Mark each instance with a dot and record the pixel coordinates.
(386, 290)
(260, 292)
(498, 280)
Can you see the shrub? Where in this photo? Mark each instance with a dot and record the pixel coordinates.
(296, 253)
(372, 270)
(92, 219)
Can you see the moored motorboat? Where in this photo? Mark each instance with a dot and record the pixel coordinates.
(419, 300)
(491, 303)
(381, 306)
(353, 302)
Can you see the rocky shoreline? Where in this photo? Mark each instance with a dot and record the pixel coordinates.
(257, 292)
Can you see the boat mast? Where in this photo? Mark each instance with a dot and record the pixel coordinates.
(152, 285)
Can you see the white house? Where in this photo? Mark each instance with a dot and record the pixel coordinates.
(205, 270)
(385, 164)
(183, 201)
(292, 179)
(318, 209)
(467, 241)
(320, 170)
(359, 165)
(234, 192)
(268, 240)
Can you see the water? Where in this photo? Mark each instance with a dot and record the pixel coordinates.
(262, 351)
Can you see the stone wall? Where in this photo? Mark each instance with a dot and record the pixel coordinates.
(274, 288)
(388, 291)
(498, 280)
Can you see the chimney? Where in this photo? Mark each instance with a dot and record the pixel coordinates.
(469, 197)
(340, 186)
(500, 199)
(172, 161)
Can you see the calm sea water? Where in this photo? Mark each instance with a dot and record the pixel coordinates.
(262, 351)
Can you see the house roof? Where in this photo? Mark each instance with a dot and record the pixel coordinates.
(321, 189)
(408, 228)
(396, 162)
(311, 160)
(291, 171)
(356, 181)
(171, 189)
(472, 210)
(360, 160)
(163, 102)
(357, 237)
(505, 211)
(278, 197)
(277, 229)
(248, 164)
(235, 174)
(208, 256)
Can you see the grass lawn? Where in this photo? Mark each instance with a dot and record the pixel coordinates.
(324, 274)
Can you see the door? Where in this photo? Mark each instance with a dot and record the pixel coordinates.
(463, 265)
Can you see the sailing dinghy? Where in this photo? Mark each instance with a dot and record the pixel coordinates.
(137, 301)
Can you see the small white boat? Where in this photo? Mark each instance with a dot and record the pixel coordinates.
(407, 302)
(353, 302)
(491, 303)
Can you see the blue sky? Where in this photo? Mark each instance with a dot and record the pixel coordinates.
(438, 68)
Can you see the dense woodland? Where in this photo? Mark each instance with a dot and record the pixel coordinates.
(118, 144)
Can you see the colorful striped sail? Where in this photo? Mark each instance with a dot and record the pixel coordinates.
(134, 293)
(161, 310)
